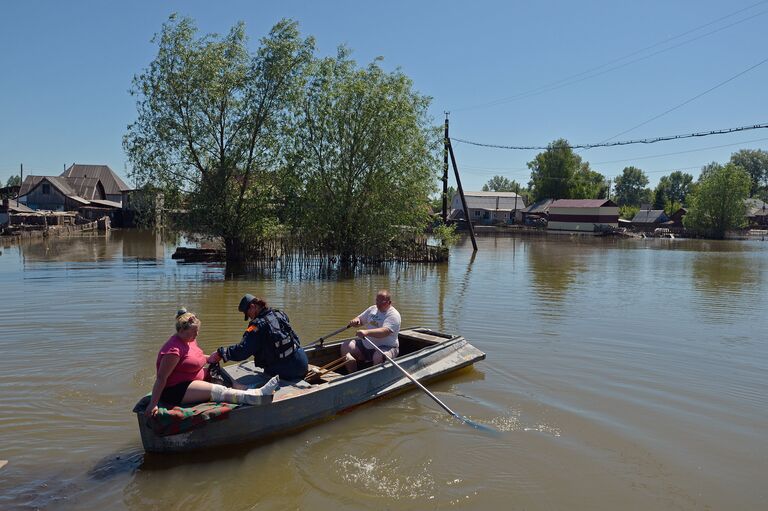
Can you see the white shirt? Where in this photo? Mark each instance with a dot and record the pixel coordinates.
(372, 317)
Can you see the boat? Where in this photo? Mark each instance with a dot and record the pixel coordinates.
(325, 392)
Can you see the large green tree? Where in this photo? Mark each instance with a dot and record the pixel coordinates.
(631, 187)
(363, 163)
(210, 118)
(672, 189)
(755, 163)
(501, 184)
(588, 184)
(554, 170)
(717, 205)
(14, 181)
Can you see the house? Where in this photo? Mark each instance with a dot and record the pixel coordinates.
(648, 217)
(677, 217)
(95, 186)
(488, 207)
(582, 215)
(114, 188)
(538, 212)
(757, 213)
(11, 207)
(54, 193)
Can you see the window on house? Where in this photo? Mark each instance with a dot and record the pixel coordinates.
(477, 212)
(46, 189)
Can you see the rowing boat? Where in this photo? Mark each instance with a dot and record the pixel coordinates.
(327, 391)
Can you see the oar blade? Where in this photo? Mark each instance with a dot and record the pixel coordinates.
(480, 427)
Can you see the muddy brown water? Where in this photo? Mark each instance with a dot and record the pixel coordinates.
(621, 374)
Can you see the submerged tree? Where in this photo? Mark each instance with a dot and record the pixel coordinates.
(210, 116)
(363, 163)
(718, 203)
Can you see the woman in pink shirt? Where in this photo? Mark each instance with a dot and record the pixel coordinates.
(181, 378)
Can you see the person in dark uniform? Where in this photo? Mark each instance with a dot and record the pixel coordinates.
(269, 338)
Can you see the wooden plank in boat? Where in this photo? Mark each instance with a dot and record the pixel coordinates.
(422, 336)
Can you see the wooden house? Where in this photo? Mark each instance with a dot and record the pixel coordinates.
(54, 193)
(757, 212)
(114, 189)
(650, 217)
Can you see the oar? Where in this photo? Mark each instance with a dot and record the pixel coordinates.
(463, 419)
(320, 340)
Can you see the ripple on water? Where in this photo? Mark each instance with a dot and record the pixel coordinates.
(385, 478)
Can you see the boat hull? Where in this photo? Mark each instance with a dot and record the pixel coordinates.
(296, 407)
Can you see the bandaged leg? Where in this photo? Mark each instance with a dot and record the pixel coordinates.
(222, 394)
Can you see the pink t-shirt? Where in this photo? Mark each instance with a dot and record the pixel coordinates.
(192, 360)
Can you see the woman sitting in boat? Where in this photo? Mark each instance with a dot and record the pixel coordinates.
(270, 339)
(181, 378)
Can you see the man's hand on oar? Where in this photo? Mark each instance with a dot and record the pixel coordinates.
(323, 338)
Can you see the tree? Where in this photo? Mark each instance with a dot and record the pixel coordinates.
(672, 189)
(437, 200)
(588, 184)
(210, 116)
(628, 211)
(14, 181)
(718, 203)
(363, 164)
(630, 186)
(755, 163)
(553, 170)
(501, 184)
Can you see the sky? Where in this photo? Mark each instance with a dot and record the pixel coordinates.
(508, 73)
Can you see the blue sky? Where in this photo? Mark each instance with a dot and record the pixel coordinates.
(510, 73)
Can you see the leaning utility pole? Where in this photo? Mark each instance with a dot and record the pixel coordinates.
(461, 189)
(445, 172)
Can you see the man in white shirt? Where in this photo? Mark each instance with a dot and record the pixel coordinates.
(381, 324)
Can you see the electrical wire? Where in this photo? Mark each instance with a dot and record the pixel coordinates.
(625, 142)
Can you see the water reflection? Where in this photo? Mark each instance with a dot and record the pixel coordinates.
(553, 269)
(724, 282)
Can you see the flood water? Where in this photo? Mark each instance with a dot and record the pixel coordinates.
(621, 374)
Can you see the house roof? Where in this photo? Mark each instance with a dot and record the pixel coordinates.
(650, 216)
(105, 203)
(493, 200)
(60, 183)
(756, 207)
(583, 203)
(540, 207)
(113, 185)
(13, 207)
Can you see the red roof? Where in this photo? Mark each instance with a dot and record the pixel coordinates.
(583, 203)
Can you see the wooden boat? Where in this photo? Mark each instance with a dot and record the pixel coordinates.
(424, 353)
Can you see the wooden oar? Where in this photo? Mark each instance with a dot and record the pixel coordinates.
(463, 419)
(323, 338)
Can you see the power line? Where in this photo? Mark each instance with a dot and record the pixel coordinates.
(750, 68)
(620, 143)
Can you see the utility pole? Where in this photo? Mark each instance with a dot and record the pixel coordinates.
(445, 171)
(21, 176)
(460, 188)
